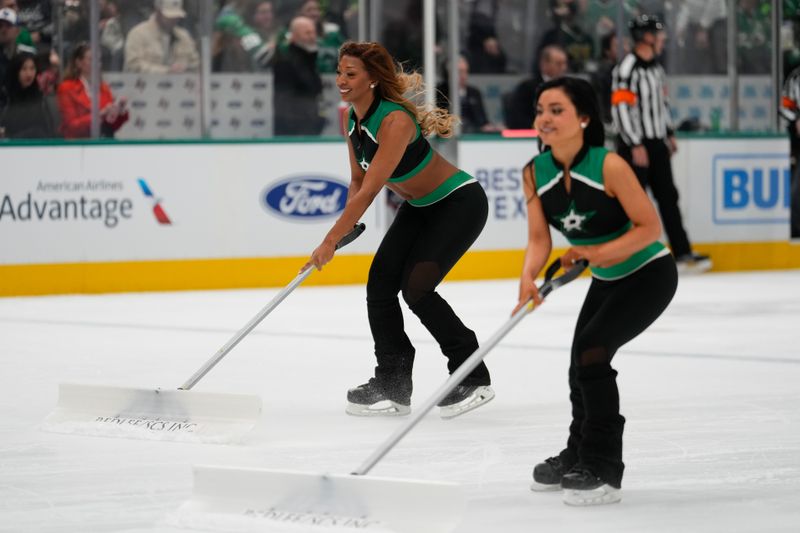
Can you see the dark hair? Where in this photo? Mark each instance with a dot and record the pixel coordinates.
(13, 87)
(606, 41)
(583, 97)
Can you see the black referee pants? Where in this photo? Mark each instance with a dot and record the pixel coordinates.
(658, 176)
(418, 250)
(794, 187)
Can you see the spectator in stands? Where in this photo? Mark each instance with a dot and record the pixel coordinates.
(519, 106)
(158, 45)
(260, 15)
(403, 35)
(599, 19)
(483, 49)
(568, 34)
(36, 17)
(8, 44)
(112, 40)
(473, 114)
(601, 78)
(26, 114)
(24, 39)
(298, 85)
(74, 23)
(74, 99)
(132, 12)
(701, 29)
(244, 36)
(754, 50)
(329, 36)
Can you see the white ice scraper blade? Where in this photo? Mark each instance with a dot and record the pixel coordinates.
(153, 414)
(244, 500)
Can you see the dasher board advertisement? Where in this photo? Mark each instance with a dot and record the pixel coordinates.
(150, 202)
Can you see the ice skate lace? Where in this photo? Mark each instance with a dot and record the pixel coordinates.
(554, 462)
(582, 472)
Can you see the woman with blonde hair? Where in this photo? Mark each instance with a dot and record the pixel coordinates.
(445, 210)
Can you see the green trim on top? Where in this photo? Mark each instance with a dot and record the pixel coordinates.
(449, 185)
(546, 170)
(631, 264)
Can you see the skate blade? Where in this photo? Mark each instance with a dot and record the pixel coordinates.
(481, 396)
(600, 496)
(545, 487)
(697, 267)
(383, 408)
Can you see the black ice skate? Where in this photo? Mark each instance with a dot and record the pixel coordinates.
(582, 487)
(464, 398)
(379, 398)
(547, 475)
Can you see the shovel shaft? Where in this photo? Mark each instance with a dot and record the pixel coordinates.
(469, 365)
(242, 333)
(357, 230)
(451, 383)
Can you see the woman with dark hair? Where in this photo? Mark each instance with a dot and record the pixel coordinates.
(593, 198)
(74, 99)
(445, 210)
(26, 115)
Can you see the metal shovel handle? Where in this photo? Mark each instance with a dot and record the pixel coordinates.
(471, 362)
(357, 230)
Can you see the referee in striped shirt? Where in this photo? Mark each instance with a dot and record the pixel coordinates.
(790, 110)
(641, 114)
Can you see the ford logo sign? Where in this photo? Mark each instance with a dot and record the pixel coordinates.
(306, 197)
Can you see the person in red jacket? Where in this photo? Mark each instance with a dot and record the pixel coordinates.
(74, 100)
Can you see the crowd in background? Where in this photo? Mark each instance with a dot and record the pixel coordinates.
(298, 41)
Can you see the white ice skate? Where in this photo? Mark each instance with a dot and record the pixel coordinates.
(381, 408)
(464, 398)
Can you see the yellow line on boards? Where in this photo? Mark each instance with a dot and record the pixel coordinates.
(203, 274)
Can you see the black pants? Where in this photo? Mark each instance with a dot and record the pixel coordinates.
(419, 249)
(794, 187)
(658, 176)
(613, 313)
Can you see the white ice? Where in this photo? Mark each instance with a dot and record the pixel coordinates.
(710, 392)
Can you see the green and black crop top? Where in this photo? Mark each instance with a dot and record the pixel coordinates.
(365, 140)
(586, 214)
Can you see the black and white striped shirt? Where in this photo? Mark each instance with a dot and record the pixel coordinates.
(639, 103)
(790, 97)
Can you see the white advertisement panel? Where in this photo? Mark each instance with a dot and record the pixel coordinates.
(734, 190)
(497, 165)
(133, 202)
(731, 190)
(148, 202)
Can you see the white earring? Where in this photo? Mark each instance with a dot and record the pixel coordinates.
(583, 125)
(371, 85)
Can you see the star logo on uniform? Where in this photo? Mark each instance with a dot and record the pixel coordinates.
(573, 220)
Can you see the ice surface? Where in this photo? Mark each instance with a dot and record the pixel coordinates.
(710, 393)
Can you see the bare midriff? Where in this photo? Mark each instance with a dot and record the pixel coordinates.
(427, 180)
